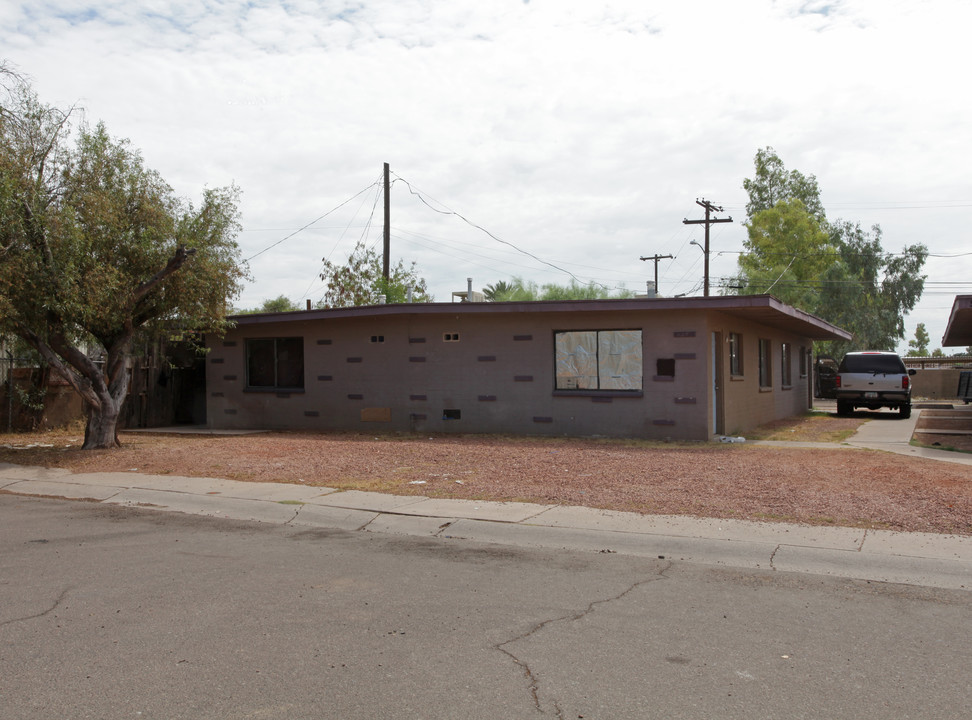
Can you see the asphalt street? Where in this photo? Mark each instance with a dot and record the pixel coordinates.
(111, 611)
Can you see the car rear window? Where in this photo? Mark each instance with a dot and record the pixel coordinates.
(887, 364)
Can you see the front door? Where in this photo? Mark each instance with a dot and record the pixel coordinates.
(716, 382)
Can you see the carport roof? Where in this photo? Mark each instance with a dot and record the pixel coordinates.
(763, 309)
(958, 332)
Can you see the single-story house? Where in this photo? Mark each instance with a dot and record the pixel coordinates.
(958, 332)
(663, 368)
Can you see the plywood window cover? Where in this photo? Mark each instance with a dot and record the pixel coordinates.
(598, 360)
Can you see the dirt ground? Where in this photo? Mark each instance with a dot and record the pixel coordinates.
(839, 486)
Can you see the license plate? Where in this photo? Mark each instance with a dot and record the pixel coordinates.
(870, 395)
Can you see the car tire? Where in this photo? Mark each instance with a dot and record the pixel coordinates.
(843, 408)
(905, 411)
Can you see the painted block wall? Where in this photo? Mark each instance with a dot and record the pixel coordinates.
(408, 373)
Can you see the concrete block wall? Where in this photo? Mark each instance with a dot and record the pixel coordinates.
(494, 372)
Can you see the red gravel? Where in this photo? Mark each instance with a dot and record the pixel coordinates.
(859, 488)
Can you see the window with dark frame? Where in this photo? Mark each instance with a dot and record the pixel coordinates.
(785, 375)
(803, 361)
(765, 369)
(598, 360)
(735, 354)
(275, 363)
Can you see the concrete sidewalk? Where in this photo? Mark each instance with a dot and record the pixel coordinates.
(884, 431)
(911, 558)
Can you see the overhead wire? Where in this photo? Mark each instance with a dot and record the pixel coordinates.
(469, 222)
(312, 222)
(558, 266)
(346, 228)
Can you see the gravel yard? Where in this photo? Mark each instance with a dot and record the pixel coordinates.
(839, 486)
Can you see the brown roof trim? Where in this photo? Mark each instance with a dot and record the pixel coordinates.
(760, 308)
(958, 332)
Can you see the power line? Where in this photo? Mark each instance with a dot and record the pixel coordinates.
(301, 229)
(487, 232)
(364, 234)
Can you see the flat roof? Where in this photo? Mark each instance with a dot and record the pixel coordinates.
(958, 332)
(764, 309)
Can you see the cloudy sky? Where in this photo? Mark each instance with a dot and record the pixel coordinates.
(580, 134)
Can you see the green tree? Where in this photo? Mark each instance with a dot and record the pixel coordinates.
(773, 183)
(919, 346)
(869, 291)
(835, 270)
(95, 249)
(360, 281)
(516, 290)
(520, 290)
(576, 291)
(787, 250)
(281, 303)
(498, 291)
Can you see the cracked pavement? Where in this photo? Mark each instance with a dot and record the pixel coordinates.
(118, 612)
(551, 705)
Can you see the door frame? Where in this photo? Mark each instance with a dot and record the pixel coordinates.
(717, 420)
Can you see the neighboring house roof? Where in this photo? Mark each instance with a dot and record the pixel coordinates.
(763, 309)
(958, 332)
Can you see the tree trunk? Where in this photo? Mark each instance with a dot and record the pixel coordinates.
(101, 431)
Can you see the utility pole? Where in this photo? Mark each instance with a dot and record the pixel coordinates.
(387, 244)
(709, 208)
(656, 258)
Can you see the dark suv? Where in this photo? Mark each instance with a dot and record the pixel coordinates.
(873, 380)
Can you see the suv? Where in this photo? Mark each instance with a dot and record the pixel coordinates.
(873, 380)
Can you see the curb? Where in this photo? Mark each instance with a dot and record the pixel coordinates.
(941, 561)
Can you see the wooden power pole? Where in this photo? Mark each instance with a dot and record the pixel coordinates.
(387, 235)
(709, 208)
(655, 259)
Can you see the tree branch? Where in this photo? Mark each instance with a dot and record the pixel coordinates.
(175, 262)
(79, 373)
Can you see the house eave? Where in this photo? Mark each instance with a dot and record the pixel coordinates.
(958, 332)
(764, 309)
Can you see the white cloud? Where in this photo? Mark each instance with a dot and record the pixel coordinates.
(581, 132)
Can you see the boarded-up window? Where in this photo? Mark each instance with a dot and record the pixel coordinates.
(276, 363)
(598, 360)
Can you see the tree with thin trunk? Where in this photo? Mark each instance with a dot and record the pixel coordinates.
(919, 346)
(97, 251)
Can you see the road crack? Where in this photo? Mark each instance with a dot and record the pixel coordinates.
(529, 673)
(773, 557)
(48, 611)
